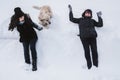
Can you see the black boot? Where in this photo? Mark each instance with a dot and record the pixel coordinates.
(95, 64)
(28, 62)
(89, 64)
(34, 66)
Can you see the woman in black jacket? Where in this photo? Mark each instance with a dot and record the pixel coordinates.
(25, 26)
(88, 34)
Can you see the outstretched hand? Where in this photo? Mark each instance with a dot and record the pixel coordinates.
(70, 7)
(99, 13)
(40, 28)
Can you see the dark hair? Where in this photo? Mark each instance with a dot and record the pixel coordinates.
(15, 18)
(87, 10)
(13, 23)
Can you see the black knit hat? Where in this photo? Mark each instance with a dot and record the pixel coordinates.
(87, 10)
(18, 12)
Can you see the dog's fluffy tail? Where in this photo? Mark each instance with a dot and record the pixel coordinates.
(36, 7)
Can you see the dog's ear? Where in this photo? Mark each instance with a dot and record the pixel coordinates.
(36, 7)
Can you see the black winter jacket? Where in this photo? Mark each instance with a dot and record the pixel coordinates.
(86, 25)
(26, 30)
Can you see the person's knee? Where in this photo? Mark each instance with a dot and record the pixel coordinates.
(32, 48)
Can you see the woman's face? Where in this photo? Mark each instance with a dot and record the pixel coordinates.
(87, 14)
(21, 18)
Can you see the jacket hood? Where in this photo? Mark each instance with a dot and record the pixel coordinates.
(87, 10)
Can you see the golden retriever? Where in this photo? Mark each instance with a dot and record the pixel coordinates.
(45, 15)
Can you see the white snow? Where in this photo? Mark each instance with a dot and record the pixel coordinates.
(60, 52)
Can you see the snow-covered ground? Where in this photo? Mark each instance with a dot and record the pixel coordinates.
(60, 52)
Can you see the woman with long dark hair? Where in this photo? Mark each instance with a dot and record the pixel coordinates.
(28, 37)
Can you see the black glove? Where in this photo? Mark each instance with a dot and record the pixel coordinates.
(99, 14)
(36, 26)
(70, 7)
(78, 35)
(40, 28)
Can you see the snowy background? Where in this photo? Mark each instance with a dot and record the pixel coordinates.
(60, 52)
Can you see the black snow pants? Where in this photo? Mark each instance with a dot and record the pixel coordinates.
(32, 45)
(90, 44)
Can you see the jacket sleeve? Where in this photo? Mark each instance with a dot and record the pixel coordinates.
(72, 19)
(34, 24)
(37, 27)
(99, 23)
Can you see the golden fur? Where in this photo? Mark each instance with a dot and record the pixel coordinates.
(45, 15)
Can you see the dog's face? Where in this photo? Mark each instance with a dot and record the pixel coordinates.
(45, 22)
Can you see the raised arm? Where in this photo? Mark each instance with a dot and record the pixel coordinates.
(100, 21)
(71, 18)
